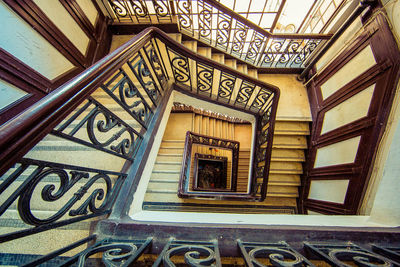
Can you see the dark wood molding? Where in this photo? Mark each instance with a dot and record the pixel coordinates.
(79, 16)
(100, 36)
(33, 95)
(12, 65)
(130, 29)
(384, 74)
(103, 43)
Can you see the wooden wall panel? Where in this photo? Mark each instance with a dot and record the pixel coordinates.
(370, 127)
(29, 80)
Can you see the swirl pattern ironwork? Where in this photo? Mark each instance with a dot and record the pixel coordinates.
(205, 22)
(185, 15)
(106, 123)
(119, 8)
(360, 258)
(58, 185)
(255, 47)
(278, 254)
(245, 91)
(139, 8)
(261, 99)
(156, 64)
(225, 89)
(223, 31)
(180, 67)
(161, 8)
(145, 78)
(239, 38)
(195, 253)
(347, 254)
(192, 255)
(204, 78)
(105, 130)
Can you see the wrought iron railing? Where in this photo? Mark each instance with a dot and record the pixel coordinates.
(216, 25)
(104, 121)
(175, 252)
(140, 12)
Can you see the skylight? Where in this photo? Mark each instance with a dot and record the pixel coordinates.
(286, 16)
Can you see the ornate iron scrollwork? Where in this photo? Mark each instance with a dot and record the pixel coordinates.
(156, 64)
(245, 91)
(272, 52)
(205, 21)
(185, 16)
(204, 79)
(278, 254)
(119, 8)
(115, 252)
(130, 10)
(347, 254)
(223, 31)
(255, 46)
(302, 56)
(389, 251)
(260, 100)
(145, 78)
(180, 67)
(195, 253)
(239, 38)
(64, 177)
(129, 97)
(105, 131)
(292, 49)
(226, 85)
(161, 8)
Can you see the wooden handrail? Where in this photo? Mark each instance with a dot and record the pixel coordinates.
(20, 134)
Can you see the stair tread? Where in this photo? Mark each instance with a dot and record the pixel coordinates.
(192, 45)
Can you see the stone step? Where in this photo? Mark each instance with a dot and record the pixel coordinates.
(272, 190)
(204, 51)
(242, 68)
(167, 166)
(162, 186)
(290, 142)
(232, 63)
(192, 45)
(284, 179)
(291, 128)
(252, 73)
(165, 175)
(285, 168)
(218, 57)
(280, 154)
(283, 191)
(176, 36)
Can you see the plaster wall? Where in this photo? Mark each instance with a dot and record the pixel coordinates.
(90, 10)
(65, 23)
(9, 94)
(22, 41)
